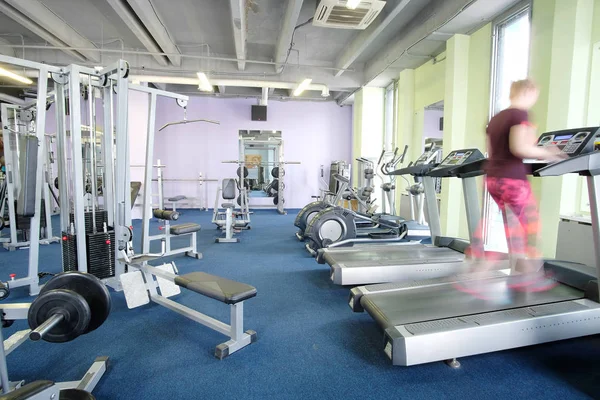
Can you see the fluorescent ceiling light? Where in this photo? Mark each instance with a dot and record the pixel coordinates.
(98, 68)
(302, 87)
(16, 77)
(352, 4)
(204, 84)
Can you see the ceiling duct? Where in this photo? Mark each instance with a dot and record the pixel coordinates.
(335, 14)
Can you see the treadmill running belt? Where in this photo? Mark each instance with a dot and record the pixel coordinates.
(407, 256)
(445, 302)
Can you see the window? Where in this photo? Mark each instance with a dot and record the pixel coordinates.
(390, 117)
(510, 63)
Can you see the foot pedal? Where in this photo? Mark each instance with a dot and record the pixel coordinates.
(167, 288)
(134, 289)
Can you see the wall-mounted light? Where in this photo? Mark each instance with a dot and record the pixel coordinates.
(16, 77)
(302, 86)
(352, 4)
(204, 83)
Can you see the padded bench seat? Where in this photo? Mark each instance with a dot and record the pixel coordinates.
(182, 229)
(177, 198)
(222, 289)
(228, 205)
(27, 391)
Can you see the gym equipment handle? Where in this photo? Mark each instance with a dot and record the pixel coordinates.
(381, 156)
(404, 154)
(45, 327)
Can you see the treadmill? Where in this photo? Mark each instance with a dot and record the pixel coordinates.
(361, 265)
(431, 321)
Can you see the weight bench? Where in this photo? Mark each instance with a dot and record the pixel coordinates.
(175, 199)
(143, 284)
(187, 229)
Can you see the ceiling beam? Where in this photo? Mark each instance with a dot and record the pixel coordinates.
(363, 40)
(149, 16)
(37, 30)
(138, 29)
(54, 24)
(429, 19)
(290, 20)
(238, 23)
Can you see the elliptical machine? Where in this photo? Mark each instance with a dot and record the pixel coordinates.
(339, 225)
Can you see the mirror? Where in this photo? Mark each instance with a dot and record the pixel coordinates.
(257, 159)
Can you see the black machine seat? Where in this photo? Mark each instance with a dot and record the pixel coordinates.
(222, 289)
(177, 198)
(75, 394)
(27, 391)
(182, 229)
(228, 205)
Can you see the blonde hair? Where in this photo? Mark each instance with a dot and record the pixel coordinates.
(524, 85)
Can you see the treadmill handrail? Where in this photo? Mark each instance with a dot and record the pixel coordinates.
(583, 164)
(415, 170)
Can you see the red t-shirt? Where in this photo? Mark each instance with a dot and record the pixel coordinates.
(501, 162)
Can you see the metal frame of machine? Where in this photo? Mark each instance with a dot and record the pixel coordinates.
(41, 183)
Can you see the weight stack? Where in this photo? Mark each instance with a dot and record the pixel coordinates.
(100, 249)
(69, 252)
(101, 254)
(101, 218)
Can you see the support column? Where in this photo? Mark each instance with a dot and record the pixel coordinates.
(564, 93)
(452, 213)
(405, 126)
(368, 126)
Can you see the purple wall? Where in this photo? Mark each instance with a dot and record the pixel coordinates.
(314, 134)
(431, 124)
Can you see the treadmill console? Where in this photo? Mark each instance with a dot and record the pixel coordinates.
(428, 157)
(571, 141)
(456, 159)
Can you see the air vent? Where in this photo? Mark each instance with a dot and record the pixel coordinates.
(335, 14)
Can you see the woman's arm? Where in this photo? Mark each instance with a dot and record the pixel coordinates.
(522, 143)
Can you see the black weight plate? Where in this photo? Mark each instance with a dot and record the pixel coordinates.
(275, 172)
(56, 182)
(75, 394)
(239, 172)
(59, 301)
(91, 288)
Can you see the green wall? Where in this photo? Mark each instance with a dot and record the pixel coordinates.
(430, 81)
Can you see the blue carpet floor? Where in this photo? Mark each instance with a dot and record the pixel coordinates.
(310, 344)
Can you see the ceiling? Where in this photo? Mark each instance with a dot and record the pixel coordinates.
(237, 43)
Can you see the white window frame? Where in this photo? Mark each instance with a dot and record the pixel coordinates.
(513, 13)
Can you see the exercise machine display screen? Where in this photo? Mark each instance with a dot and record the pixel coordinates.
(456, 158)
(572, 141)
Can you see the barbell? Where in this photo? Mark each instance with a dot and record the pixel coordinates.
(70, 305)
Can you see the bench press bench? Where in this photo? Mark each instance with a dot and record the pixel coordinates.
(144, 283)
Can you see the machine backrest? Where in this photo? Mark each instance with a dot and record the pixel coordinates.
(228, 189)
